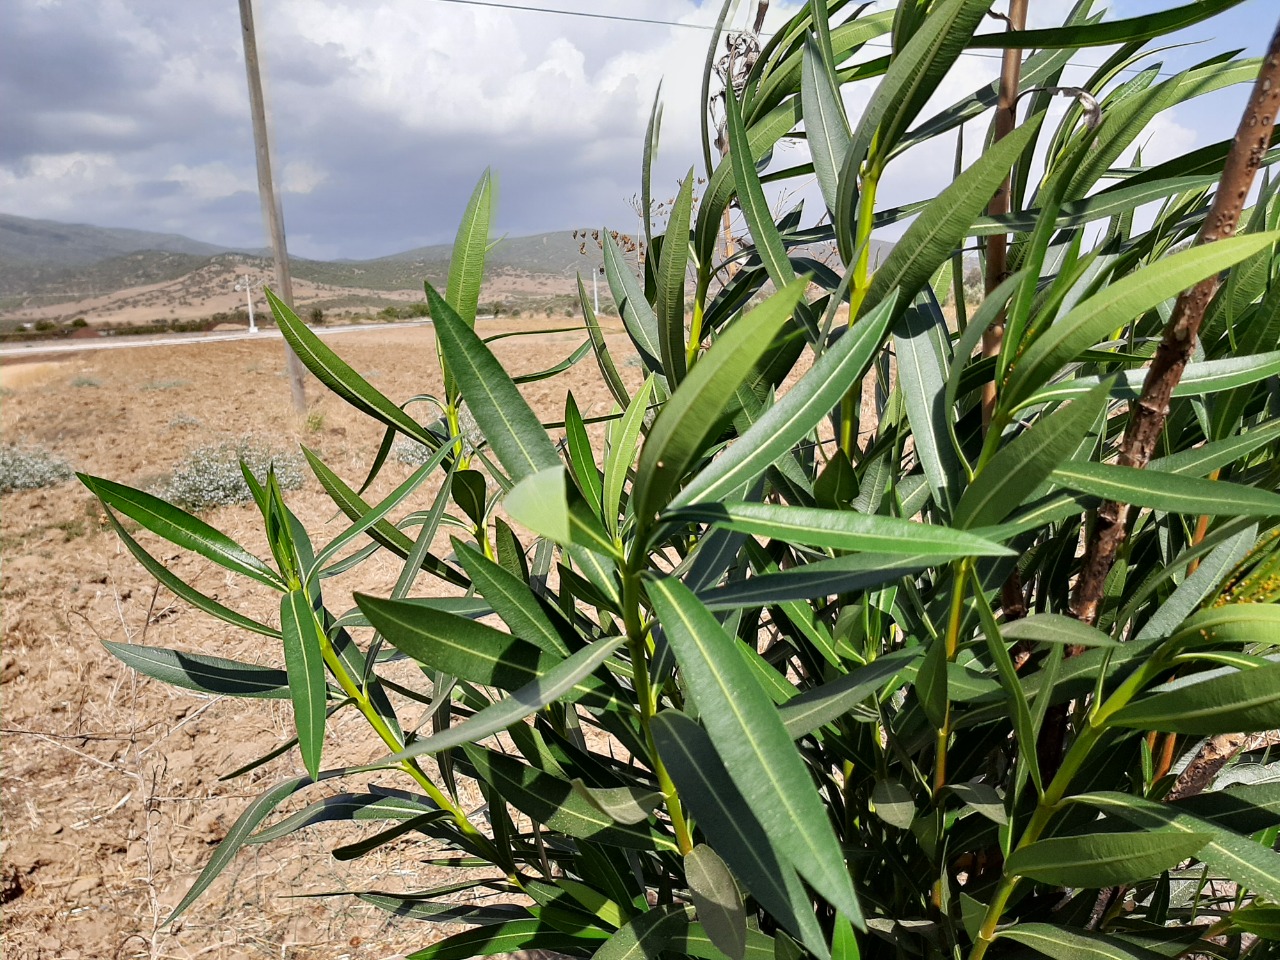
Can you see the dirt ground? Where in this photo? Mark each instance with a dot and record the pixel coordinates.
(109, 783)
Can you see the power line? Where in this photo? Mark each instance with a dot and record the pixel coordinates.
(650, 21)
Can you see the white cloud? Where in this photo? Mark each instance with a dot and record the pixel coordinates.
(212, 181)
(301, 176)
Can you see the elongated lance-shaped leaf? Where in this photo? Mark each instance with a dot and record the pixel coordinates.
(1198, 461)
(1167, 491)
(1116, 305)
(582, 460)
(604, 359)
(511, 599)
(511, 428)
(651, 136)
(622, 453)
(923, 348)
(700, 407)
(826, 126)
(941, 228)
(764, 232)
(464, 648)
(1070, 943)
(645, 936)
(824, 578)
(623, 804)
(304, 662)
(501, 939)
(1244, 701)
(717, 900)
(841, 529)
(466, 264)
(340, 378)
(731, 825)
(382, 532)
(240, 832)
(1019, 467)
(181, 528)
(345, 806)
(180, 588)
(561, 680)
(552, 801)
(1198, 379)
(793, 416)
(1254, 866)
(1108, 32)
(1094, 861)
(753, 743)
(820, 705)
(673, 263)
(194, 671)
(1211, 572)
(628, 293)
(913, 75)
(1056, 628)
(389, 503)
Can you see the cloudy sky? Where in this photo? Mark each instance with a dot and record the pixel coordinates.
(134, 113)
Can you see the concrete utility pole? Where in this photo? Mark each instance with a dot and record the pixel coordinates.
(267, 192)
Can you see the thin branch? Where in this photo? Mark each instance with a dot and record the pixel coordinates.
(1147, 420)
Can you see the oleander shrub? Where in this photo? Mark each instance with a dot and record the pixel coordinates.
(25, 467)
(960, 664)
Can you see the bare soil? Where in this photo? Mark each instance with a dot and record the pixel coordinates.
(109, 783)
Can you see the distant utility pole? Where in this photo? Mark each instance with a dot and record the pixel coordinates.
(247, 286)
(267, 193)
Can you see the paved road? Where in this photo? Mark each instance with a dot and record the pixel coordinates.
(44, 348)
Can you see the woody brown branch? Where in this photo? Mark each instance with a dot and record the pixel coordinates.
(1147, 419)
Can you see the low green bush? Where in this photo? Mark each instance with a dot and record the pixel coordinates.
(29, 468)
(776, 671)
(211, 476)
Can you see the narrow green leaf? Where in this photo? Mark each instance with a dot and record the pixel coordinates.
(728, 821)
(934, 235)
(717, 900)
(501, 938)
(841, 529)
(604, 359)
(645, 936)
(512, 600)
(699, 408)
(239, 833)
(623, 804)
(931, 683)
(637, 316)
(1146, 27)
(582, 460)
(673, 262)
(511, 428)
(305, 665)
(1167, 491)
(1019, 467)
(340, 378)
(796, 413)
(824, 578)
(193, 671)
(825, 123)
(418, 908)
(356, 807)
(1116, 305)
(560, 680)
(1055, 628)
(622, 453)
(820, 705)
(1069, 943)
(553, 802)
(982, 799)
(755, 208)
(754, 745)
(1093, 861)
(893, 803)
(182, 589)
(466, 263)
(181, 528)
(923, 348)
(1244, 701)
(539, 502)
(1252, 865)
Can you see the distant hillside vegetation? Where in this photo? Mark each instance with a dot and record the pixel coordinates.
(49, 245)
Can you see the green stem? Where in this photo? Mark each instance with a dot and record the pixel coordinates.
(859, 287)
(647, 703)
(1051, 802)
